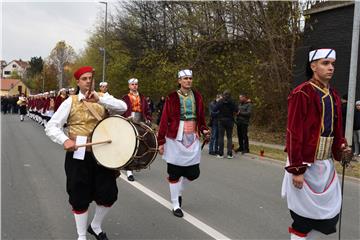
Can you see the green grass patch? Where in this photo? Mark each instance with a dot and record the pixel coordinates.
(352, 171)
(268, 152)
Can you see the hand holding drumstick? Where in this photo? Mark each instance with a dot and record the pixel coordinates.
(71, 144)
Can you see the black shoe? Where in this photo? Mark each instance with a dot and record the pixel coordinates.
(101, 236)
(212, 153)
(131, 178)
(178, 213)
(180, 201)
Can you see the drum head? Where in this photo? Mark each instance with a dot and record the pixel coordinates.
(123, 144)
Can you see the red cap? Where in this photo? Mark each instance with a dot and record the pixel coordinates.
(81, 71)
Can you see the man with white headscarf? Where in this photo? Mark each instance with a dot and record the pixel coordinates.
(137, 108)
(314, 140)
(182, 123)
(103, 88)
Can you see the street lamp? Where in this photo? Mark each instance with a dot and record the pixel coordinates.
(104, 48)
(103, 53)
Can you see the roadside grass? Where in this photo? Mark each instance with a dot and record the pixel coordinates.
(262, 134)
(352, 171)
(268, 152)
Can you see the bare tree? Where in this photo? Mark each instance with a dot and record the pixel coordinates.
(61, 56)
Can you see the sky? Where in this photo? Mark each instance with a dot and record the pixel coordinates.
(32, 28)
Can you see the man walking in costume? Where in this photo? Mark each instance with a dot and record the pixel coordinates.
(182, 123)
(137, 108)
(314, 140)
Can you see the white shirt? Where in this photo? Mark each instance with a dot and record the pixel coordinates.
(54, 127)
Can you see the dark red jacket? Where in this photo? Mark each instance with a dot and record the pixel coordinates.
(58, 101)
(46, 104)
(304, 126)
(170, 118)
(144, 107)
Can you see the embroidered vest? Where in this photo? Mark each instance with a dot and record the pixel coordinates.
(80, 121)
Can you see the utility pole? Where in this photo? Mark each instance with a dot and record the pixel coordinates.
(43, 82)
(353, 74)
(104, 48)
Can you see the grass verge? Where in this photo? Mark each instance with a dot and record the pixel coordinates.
(352, 171)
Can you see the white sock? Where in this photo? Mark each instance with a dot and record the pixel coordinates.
(21, 117)
(100, 213)
(81, 224)
(129, 172)
(296, 237)
(313, 234)
(174, 193)
(184, 182)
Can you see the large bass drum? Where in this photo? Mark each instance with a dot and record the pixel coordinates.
(133, 146)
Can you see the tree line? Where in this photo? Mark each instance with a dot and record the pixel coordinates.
(246, 47)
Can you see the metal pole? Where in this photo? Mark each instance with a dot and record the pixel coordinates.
(342, 194)
(353, 74)
(104, 60)
(104, 52)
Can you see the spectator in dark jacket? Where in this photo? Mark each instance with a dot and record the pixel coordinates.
(14, 106)
(227, 108)
(357, 129)
(5, 104)
(213, 144)
(151, 105)
(242, 123)
(159, 109)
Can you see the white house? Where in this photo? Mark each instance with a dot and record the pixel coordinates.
(2, 65)
(15, 66)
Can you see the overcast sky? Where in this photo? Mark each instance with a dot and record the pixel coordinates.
(32, 28)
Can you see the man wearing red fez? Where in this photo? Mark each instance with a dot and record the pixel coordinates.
(314, 140)
(86, 181)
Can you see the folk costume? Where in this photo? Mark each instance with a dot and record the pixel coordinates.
(313, 142)
(22, 102)
(48, 108)
(138, 109)
(181, 124)
(87, 181)
(60, 98)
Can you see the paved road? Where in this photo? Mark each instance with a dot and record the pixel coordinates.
(238, 198)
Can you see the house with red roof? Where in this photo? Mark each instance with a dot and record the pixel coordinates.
(12, 87)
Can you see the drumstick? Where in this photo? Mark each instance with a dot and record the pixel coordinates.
(93, 143)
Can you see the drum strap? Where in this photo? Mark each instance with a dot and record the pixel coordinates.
(92, 110)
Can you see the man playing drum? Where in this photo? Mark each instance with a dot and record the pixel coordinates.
(181, 124)
(86, 180)
(137, 108)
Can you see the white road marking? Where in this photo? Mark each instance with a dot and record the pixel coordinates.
(187, 216)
